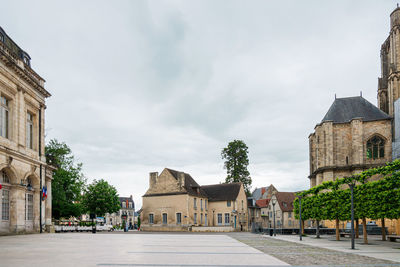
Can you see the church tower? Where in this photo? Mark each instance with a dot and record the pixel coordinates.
(389, 83)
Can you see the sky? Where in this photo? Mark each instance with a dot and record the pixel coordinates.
(138, 86)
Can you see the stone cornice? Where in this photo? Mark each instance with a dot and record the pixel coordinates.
(18, 154)
(344, 168)
(25, 72)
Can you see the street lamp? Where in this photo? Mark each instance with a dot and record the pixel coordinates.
(351, 185)
(300, 232)
(273, 208)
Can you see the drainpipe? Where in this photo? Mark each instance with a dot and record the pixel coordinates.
(40, 159)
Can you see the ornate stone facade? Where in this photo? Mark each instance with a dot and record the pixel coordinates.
(23, 169)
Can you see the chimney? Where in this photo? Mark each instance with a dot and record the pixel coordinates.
(181, 179)
(153, 179)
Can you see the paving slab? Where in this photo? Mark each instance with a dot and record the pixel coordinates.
(87, 249)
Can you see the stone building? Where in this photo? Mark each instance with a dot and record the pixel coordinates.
(284, 211)
(176, 202)
(23, 169)
(353, 136)
(126, 213)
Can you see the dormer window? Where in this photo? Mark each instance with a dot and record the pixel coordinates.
(27, 61)
(1, 37)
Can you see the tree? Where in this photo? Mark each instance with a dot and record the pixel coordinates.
(68, 180)
(100, 198)
(236, 162)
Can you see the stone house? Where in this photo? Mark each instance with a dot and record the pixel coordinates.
(126, 213)
(176, 202)
(263, 205)
(23, 169)
(284, 211)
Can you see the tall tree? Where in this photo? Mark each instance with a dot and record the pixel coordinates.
(100, 198)
(68, 180)
(236, 162)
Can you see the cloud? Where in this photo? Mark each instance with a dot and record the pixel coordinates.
(142, 85)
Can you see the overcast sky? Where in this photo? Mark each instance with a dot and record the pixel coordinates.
(142, 85)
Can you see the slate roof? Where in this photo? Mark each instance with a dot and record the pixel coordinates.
(124, 199)
(345, 109)
(285, 200)
(191, 186)
(262, 203)
(221, 192)
(258, 192)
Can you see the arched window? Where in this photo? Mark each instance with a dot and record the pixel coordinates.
(375, 148)
(4, 177)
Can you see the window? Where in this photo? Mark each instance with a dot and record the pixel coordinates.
(195, 218)
(290, 223)
(205, 220)
(201, 204)
(375, 148)
(219, 218)
(164, 218)
(270, 214)
(178, 218)
(4, 177)
(1, 37)
(124, 205)
(5, 205)
(284, 204)
(151, 218)
(130, 205)
(195, 203)
(228, 203)
(201, 218)
(226, 218)
(29, 130)
(290, 215)
(29, 207)
(205, 204)
(4, 117)
(242, 204)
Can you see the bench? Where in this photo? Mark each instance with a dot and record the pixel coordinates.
(345, 234)
(393, 238)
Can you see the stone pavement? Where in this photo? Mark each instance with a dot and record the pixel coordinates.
(375, 248)
(313, 251)
(119, 249)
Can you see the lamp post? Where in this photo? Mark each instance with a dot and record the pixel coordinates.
(351, 185)
(273, 208)
(300, 232)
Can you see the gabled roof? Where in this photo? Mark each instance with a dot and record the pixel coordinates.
(221, 192)
(262, 203)
(191, 186)
(345, 109)
(285, 200)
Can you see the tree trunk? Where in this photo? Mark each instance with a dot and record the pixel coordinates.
(364, 222)
(337, 230)
(318, 229)
(302, 227)
(383, 229)
(357, 229)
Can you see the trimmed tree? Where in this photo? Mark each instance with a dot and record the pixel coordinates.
(236, 162)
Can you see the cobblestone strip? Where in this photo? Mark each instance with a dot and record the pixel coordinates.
(304, 255)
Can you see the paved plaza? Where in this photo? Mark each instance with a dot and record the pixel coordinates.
(136, 249)
(189, 249)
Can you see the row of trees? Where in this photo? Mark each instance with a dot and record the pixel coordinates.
(71, 196)
(378, 199)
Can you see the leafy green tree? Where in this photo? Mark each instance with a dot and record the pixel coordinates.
(236, 162)
(100, 198)
(68, 180)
